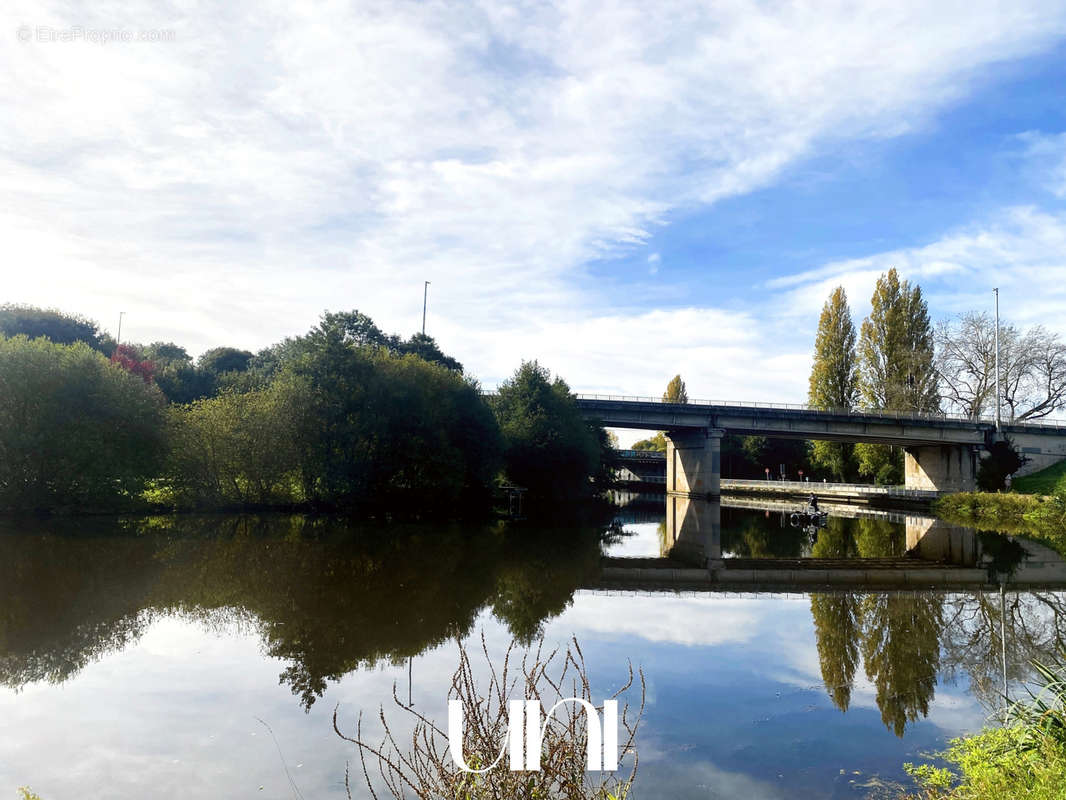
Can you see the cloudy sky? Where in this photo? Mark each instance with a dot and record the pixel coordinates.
(622, 191)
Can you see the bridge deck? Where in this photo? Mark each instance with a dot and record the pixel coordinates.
(801, 422)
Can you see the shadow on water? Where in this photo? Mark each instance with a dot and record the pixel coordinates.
(325, 595)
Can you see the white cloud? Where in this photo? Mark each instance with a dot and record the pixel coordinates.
(271, 162)
(1021, 250)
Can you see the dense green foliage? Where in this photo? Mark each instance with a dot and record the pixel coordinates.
(338, 424)
(549, 448)
(341, 417)
(61, 328)
(75, 429)
(1002, 459)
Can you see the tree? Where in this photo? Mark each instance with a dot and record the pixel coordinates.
(834, 380)
(425, 347)
(1032, 368)
(218, 360)
(548, 446)
(175, 374)
(834, 375)
(1034, 374)
(130, 360)
(896, 369)
(896, 350)
(675, 391)
(1003, 459)
(655, 444)
(76, 431)
(966, 359)
(53, 324)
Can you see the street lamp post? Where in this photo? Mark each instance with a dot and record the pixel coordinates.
(118, 339)
(425, 295)
(999, 421)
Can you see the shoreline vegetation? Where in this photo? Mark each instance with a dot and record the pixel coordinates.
(343, 418)
(1035, 507)
(1025, 759)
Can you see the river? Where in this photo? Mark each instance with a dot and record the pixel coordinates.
(203, 657)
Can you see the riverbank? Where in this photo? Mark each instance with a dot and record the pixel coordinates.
(1020, 514)
(1024, 759)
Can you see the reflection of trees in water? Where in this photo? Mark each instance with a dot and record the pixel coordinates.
(897, 635)
(901, 650)
(327, 596)
(906, 640)
(747, 535)
(1035, 628)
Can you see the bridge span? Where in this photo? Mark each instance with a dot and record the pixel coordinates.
(941, 450)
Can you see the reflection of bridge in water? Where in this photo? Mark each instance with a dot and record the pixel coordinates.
(939, 556)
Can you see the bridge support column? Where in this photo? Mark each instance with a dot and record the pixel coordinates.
(694, 462)
(942, 468)
(693, 530)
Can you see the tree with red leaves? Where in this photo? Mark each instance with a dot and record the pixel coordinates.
(130, 360)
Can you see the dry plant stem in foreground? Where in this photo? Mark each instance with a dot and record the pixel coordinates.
(423, 767)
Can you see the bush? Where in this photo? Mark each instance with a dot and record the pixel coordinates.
(1027, 759)
(75, 430)
(1003, 459)
(239, 449)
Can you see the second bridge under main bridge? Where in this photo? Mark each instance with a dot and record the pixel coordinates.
(941, 451)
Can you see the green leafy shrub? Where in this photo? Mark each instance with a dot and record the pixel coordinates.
(76, 431)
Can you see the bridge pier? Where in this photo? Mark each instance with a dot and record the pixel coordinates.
(942, 467)
(693, 530)
(694, 462)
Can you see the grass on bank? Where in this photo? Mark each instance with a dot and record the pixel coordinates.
(1049, 480)
(1024, 761)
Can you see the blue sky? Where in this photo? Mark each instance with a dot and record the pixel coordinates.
(623, 192)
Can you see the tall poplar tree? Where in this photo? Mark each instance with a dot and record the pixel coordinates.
(896, 371)
(896, 349)
(834, 379)
(675, 391)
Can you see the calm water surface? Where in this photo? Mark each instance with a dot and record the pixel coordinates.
(202, 657)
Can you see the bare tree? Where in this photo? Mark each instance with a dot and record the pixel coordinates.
(1032, 368)
(965, 362)
(1043, 389)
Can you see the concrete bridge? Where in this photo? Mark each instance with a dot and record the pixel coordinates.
(941, 450)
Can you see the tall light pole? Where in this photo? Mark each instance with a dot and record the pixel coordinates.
(118, 339)
(425, 294)
(998, 419)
